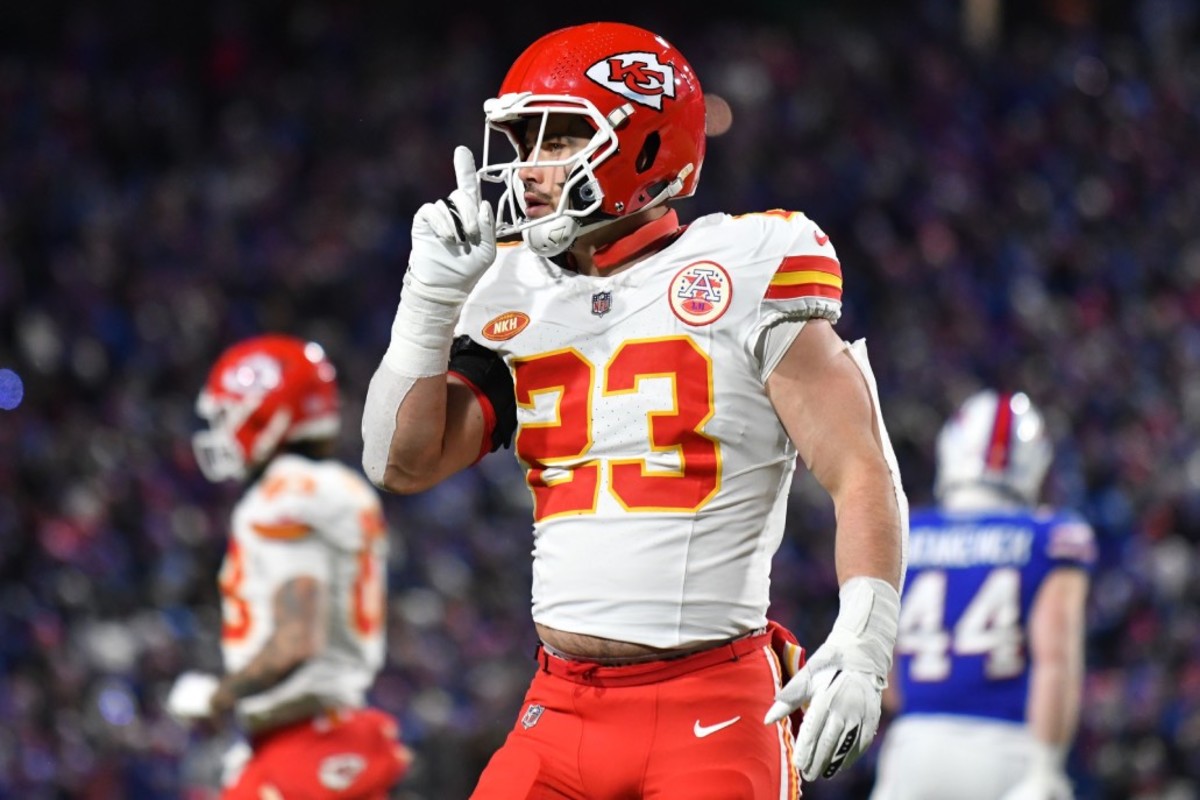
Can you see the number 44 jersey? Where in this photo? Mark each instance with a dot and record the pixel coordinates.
(972, 579)
(658, 469)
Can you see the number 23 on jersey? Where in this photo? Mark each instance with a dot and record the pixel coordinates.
(563, 444)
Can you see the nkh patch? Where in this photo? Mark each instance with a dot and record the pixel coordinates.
(532, 715)
(505, 326)
(601, 303)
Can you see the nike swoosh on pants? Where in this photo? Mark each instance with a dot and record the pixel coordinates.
(705, 730)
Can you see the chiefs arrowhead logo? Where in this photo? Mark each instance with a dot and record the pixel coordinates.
(338, 772)
(638, 76)
(505, 326)
(256, 372)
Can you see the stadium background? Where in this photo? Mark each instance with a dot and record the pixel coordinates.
(1019, 209)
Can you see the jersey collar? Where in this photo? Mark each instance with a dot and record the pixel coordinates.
(652, 236)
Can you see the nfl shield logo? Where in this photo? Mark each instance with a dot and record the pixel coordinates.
(601, 303)
(532, 715)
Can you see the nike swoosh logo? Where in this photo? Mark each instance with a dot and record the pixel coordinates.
(822, 238)
(707, 730)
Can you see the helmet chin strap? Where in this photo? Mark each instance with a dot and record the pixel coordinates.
(555, 236)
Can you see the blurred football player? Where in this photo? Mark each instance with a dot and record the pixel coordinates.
(302, 584)
(658, 382)
(989, 663)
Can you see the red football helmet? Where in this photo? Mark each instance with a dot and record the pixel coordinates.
(640, 96)
(261, 393)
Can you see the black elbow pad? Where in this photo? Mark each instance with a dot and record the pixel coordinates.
(489, 377)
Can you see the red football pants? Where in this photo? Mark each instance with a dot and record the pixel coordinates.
(351, 755)
(684, 728)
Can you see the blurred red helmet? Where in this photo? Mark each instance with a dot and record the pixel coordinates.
(261, 393)
(642, 99)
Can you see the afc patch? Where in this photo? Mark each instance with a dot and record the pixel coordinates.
(700, 293)
(532, 715)
(601, 303)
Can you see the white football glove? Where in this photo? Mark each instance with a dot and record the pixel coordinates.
(453, 244)
(190, 699)
(453, 240)
(841, 686)
(1045, 779)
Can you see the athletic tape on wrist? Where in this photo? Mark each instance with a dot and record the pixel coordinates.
(865, 600)
(870, 613)
(1048, 757)
(422, 331)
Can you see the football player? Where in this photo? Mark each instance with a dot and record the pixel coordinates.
(990, 660)
(302, 584)
(658, 382)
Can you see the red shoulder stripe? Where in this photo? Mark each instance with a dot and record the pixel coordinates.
(806, 276)
(286, 529)
(802, 290)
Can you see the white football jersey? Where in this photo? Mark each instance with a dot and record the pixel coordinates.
(658, 467)
(318, 519)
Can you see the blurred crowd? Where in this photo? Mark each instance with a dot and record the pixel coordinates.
(1020, 210)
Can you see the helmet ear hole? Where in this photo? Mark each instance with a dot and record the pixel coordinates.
(583, 193)
(645, 159)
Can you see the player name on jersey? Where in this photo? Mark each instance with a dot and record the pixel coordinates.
(962, 546)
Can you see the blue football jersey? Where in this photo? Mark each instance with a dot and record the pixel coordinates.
(972, 578)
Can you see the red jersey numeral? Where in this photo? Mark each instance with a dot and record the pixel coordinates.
(235, 610)
(368, 601)
(565, 441)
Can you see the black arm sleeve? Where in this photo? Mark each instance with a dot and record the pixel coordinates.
(490, 375)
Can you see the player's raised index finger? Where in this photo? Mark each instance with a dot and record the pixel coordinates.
(464, 171)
